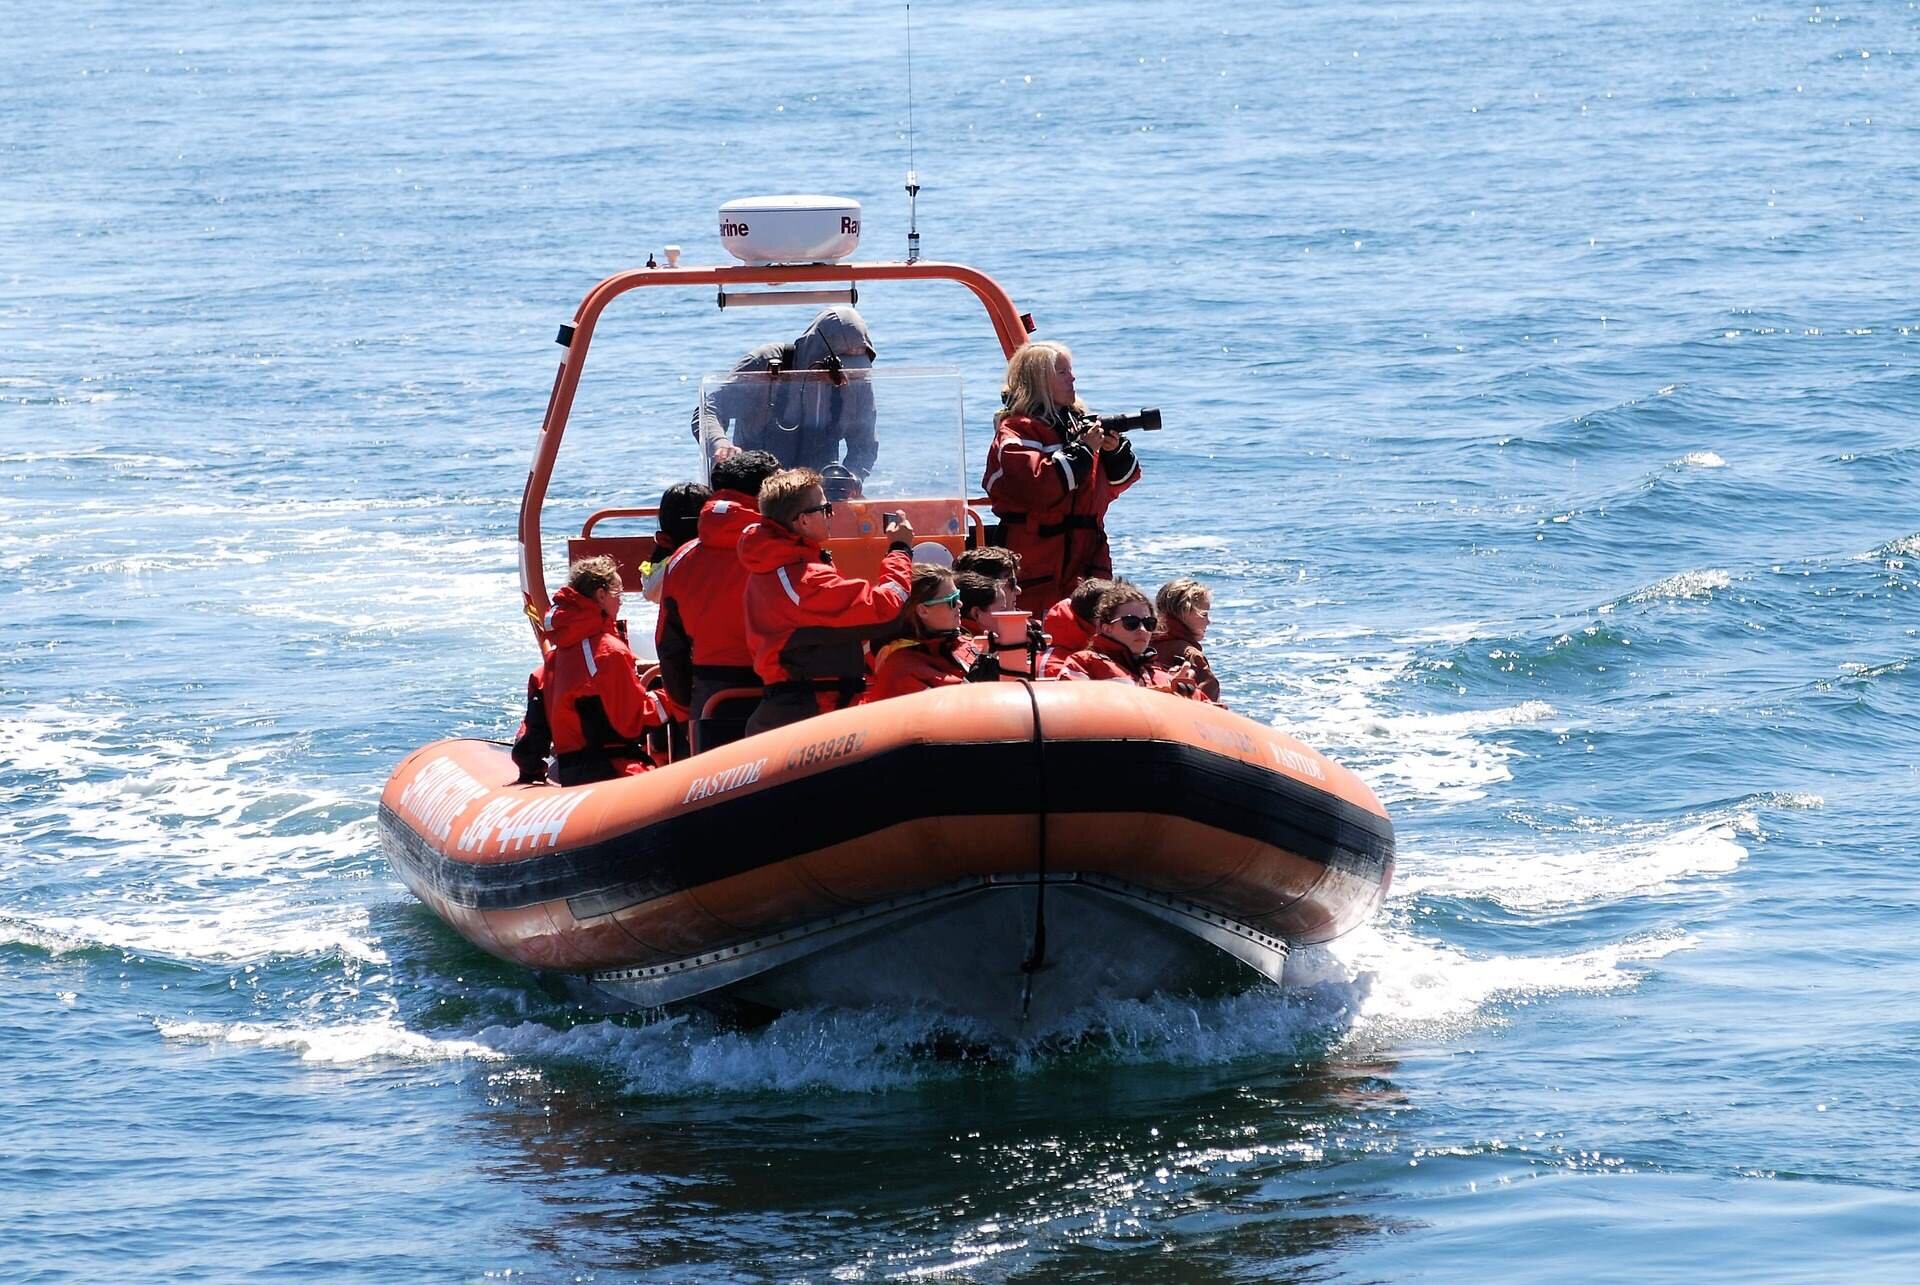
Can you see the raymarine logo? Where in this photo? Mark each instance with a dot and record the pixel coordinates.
(730, 228)
(849, 227)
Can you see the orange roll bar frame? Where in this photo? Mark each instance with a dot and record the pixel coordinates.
(1009, 327)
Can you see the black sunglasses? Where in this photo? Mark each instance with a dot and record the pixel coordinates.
(1134, 622)
(826, 508)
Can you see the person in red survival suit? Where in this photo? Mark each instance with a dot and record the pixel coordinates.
(807, 623)
(935, 653)
(1069, 625)
(589, 695)
(1121, 646)
(1051, 473)
(701, 635)
(1185, 609)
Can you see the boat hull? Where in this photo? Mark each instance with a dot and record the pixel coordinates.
(894, 853)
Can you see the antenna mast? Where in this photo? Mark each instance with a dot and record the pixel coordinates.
(913, 179)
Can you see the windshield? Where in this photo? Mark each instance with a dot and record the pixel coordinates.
(873, 434)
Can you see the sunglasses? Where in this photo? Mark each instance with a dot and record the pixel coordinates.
(1134, 622)
(826, 508)
(941, 602)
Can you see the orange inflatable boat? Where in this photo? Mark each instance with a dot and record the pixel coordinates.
(1008, 853)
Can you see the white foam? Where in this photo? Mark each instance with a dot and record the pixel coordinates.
(1527, 879)
(354, 1042)
(1687, 584)
(1700, 459)
(1406, 985)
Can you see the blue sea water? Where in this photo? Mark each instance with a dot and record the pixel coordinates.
(1541, 392)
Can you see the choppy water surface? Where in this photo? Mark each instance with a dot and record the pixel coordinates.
(1542, 403)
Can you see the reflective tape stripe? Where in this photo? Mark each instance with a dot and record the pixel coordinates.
(722, 506)
(660, 706)
(993, 477)
(586, 649)
(1067, 468)
(788, 586)
(893, 590)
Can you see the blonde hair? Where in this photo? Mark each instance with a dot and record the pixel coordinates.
(1184, 594)
(1029, 387)
(783, 495)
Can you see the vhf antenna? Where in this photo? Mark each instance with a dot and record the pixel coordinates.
(913, 179)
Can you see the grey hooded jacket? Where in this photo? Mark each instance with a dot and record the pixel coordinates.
(781, 398)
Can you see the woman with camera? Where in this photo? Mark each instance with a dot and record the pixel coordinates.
(1051, 473)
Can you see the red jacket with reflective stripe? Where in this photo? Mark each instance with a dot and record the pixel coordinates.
(1035, 480)
(591, 661)
(916, 666)
(1103, 658)
(703, 596)
(804, 620)
(1066, 634)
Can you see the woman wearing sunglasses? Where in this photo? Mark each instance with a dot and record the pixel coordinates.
(1121, 648)
(935, 653)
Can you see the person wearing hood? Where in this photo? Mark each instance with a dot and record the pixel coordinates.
(1121, 647)
(801, 401)
(806, 623)
(1052, 471)
(701, 635)
(591, 704)
(1069, 625)
(935, 653)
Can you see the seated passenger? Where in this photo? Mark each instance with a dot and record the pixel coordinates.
(679, 523)
(1121, 649)
(1184, 606)
(980, 597)
(588, 686)
(805, 622)
(999, 565)
(1069, 624)
(935, 653)
(701, 634)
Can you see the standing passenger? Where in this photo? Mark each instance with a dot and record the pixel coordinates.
(701, 635)
(1052, 471)
(805, 621)
(799, 400)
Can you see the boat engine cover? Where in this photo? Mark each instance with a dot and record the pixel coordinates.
(790, 229)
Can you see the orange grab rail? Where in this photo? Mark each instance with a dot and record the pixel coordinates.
(1008, 325)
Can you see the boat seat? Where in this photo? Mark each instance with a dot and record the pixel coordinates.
(627, 552)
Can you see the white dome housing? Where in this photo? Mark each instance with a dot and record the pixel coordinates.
(790, 229)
